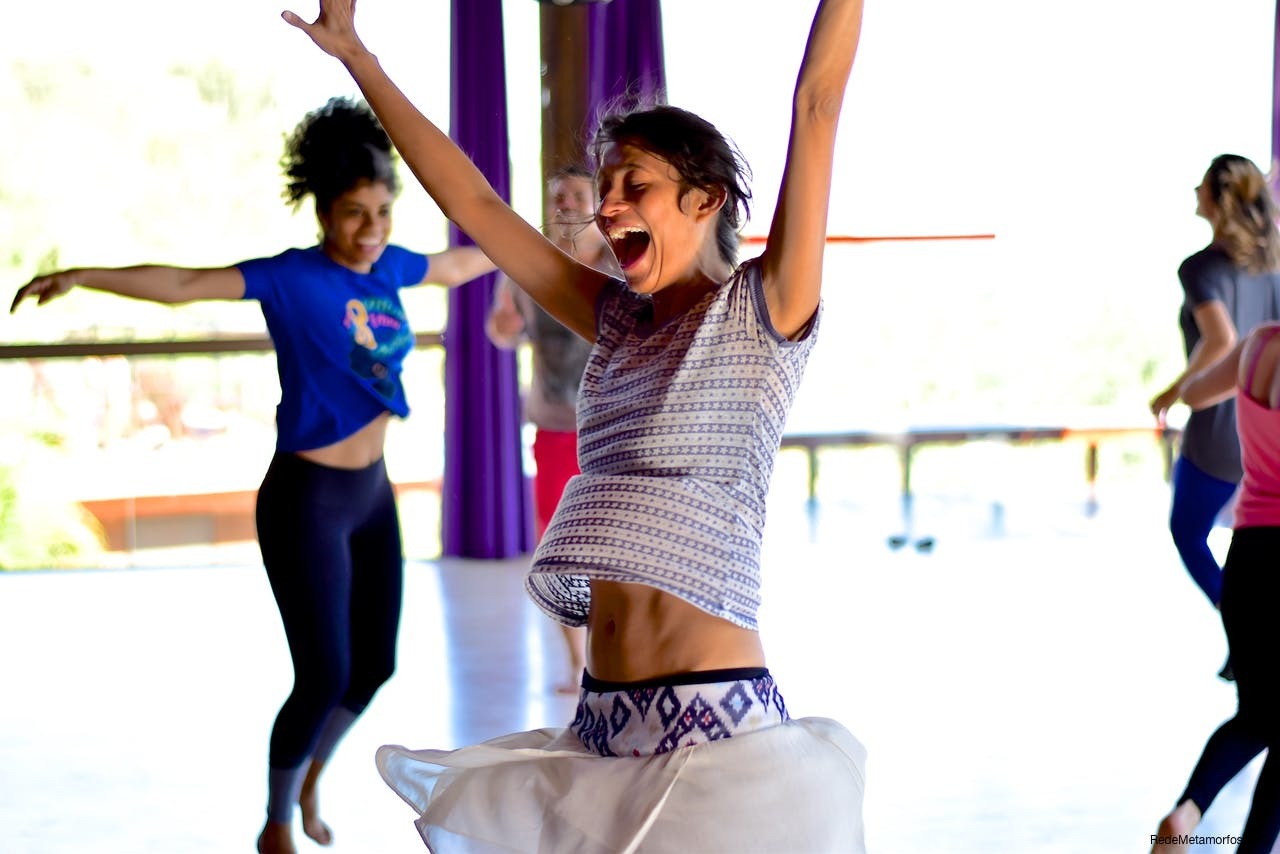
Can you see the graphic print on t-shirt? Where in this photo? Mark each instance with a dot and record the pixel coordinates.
(380, 335)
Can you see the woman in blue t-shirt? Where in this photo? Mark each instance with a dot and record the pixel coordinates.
(1229, 287)
(326, 512)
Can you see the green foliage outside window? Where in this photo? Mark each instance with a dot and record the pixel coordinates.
(39, 528)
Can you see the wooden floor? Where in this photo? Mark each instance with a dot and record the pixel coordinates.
(1040, 682)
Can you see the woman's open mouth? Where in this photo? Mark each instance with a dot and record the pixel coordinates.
(629, 243)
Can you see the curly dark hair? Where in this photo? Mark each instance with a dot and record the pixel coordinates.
(702, 156)
(333, 149)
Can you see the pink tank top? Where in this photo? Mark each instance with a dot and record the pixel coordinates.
(1258, 504)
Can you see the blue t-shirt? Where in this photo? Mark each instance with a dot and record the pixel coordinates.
(340, 339)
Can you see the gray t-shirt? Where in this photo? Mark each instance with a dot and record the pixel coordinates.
(1210, 441)
(559, 358)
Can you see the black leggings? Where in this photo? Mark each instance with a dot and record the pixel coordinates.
(1250, 593)
(330, 542)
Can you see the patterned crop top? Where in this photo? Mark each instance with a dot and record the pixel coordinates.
(678, 429)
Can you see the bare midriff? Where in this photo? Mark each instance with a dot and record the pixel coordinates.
(360, 450)
(636, 633)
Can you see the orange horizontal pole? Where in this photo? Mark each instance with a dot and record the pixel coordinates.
(848, 238)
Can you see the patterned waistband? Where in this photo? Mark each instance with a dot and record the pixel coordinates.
(644, 719)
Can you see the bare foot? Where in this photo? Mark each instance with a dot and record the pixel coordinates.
(276, 838)
(309, 805)
(1176, 824)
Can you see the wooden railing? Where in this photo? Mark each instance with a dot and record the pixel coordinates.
(907, 439)
(177, 347)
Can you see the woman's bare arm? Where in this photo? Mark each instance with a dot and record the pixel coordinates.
(1215, 383)
(792, 259)
(457, 266)
(151, 282)
(1217, 338)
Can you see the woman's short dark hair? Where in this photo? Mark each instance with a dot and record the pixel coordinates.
(699, 153)
(333, 149)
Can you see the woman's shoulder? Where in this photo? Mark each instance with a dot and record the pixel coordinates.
(271, 278)
(1208, 259)
(616, 295)
(746, 279)
(746, 268)
(618, 308)
(399, 267)
(1263, 332)
(292, 256)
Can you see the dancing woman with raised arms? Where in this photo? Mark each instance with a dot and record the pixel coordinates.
(681, 738)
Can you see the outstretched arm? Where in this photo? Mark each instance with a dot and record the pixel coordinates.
(792, 259)
(154, 283)
(565, 288)
(457, 266)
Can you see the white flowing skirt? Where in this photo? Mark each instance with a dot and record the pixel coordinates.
(796, 787)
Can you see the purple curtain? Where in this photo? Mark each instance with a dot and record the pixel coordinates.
(485, 506)
(624, 56)
(1274, 168)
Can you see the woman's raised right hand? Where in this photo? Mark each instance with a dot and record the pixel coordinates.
(334, 30)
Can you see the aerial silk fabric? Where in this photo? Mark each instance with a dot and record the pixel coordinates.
(624, 57)
(485, 500)
(1275, 108)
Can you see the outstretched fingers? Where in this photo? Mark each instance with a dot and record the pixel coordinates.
(333, 30)
(41, 288)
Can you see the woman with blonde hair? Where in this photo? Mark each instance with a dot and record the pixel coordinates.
(1230, 286)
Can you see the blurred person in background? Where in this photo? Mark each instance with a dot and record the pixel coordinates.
(559, 358)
